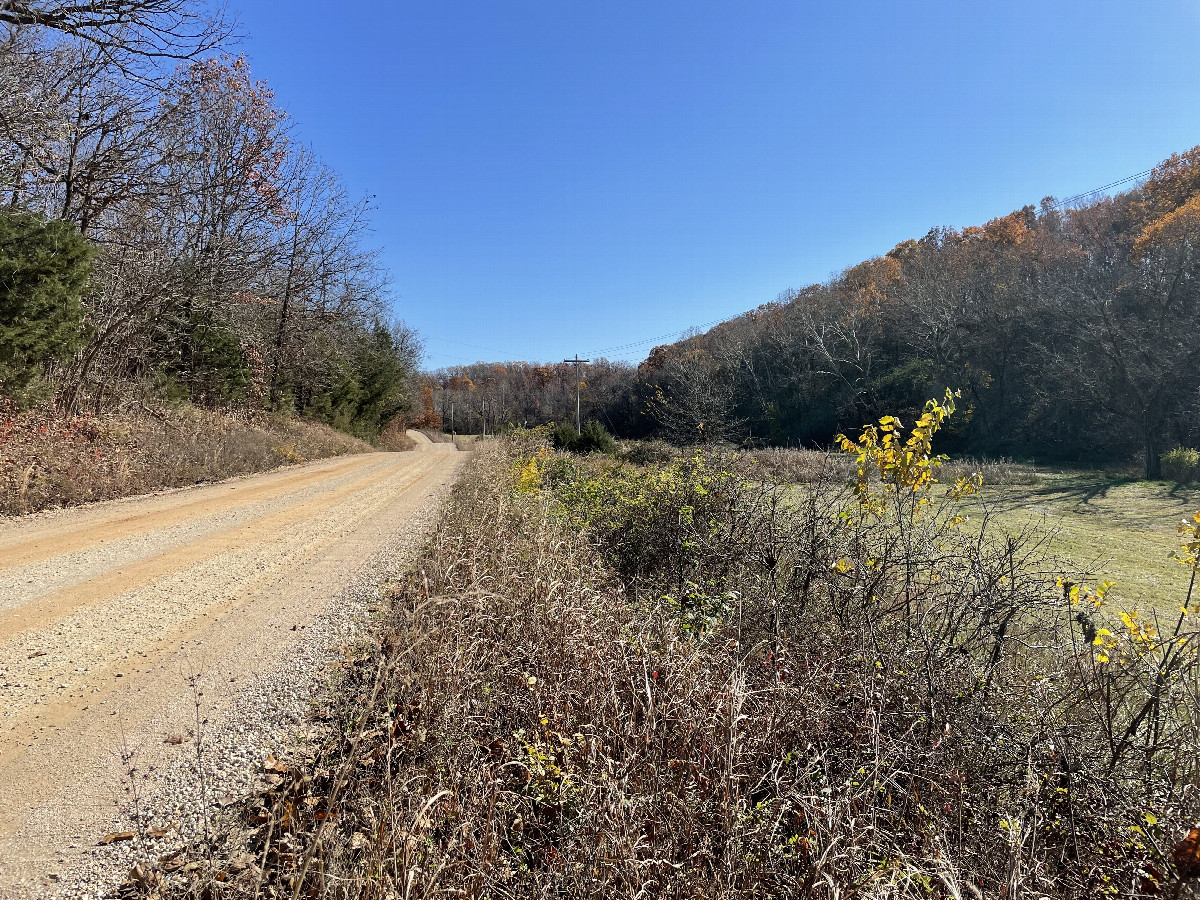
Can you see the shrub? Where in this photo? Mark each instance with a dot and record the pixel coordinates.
(1181, 465)
(645, 453)
(591, 439)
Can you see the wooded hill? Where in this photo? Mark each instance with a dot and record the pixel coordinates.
(1073, 331)
(165, 235)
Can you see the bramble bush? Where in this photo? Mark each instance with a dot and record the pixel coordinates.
(685, 681)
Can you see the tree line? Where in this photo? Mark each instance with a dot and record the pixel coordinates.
(1072, 329)
(488, 397)
(1073, 332)
(164, 233)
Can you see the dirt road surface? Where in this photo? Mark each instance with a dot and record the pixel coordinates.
(114, 617)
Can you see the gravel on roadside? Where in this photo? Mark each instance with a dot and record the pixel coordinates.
(165, 812)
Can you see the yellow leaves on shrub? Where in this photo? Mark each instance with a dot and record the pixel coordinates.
(528, 472)
(1081, 593)
(1137, 641)
(904, 464)
(1139, 630)
(1189, 551)
(288, 454)
(1107, 642)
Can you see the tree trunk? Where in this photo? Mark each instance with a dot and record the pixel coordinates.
(1153, 460)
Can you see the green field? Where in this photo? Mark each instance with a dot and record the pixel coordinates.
(1114, 527)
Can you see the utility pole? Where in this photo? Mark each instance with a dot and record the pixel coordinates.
(577, 362)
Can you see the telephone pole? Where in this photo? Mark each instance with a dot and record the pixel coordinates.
(577, 362)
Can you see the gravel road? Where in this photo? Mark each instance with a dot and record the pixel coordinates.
(128, 628)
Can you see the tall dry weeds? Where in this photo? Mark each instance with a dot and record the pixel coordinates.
(684, 683)
(49, 460)
(802, 466)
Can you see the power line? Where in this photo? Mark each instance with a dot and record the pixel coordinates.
(1061, 204)
(1069, 200)
(503, 353)
(660, 337)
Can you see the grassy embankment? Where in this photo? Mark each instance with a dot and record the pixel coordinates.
(606, 680)
(48, 460)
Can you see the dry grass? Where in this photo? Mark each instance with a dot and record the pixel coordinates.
(800, 466)
(395, 438)
(684, 683)
(47, 460)
(803, 466)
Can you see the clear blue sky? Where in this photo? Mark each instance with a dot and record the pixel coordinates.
(561, 176)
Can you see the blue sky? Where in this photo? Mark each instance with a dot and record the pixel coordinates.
(561, 177)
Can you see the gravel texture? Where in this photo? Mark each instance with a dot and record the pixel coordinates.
(146, 678)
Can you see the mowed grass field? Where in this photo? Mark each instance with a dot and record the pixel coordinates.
(1108, 526)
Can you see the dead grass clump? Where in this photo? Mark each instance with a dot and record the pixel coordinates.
(48, 460)
(681, 682)
(993, 471)
(394, 438)
(799, 466)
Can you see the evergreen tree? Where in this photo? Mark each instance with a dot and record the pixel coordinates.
(44, 269)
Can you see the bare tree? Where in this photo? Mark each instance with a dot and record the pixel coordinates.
(170, 29)
(693, 401)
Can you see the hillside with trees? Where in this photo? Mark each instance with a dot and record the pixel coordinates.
(165, 235)
(1072, 330)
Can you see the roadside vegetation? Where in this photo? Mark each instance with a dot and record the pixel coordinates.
(1114, 523)
(677, 679)
(51, 460)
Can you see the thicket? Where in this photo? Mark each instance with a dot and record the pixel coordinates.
(606, 680)
(166, 236)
